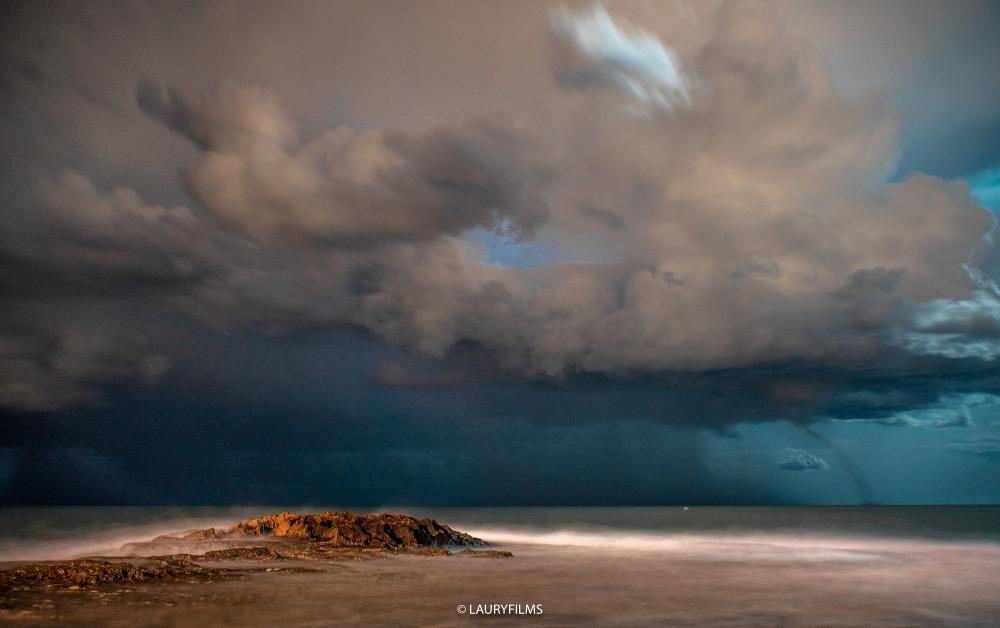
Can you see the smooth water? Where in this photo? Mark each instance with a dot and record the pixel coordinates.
(38, 533)
(850, 566)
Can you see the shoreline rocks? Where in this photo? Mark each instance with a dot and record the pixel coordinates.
(342, 529)
(93, 571)
(329, 536)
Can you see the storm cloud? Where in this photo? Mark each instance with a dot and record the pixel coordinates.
(345, 189)
(725, 239)
(751, 227)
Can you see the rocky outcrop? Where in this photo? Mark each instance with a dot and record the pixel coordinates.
(343, 529)
(328, 536)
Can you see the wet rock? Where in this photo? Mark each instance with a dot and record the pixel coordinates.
(79, 573)
(344, 529)
(485, 554)
(286, 536)
(243, 553)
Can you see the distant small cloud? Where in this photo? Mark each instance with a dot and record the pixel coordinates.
(984, 446)
(799, 460)
(934, 419)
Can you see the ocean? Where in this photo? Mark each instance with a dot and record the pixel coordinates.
(740, 566)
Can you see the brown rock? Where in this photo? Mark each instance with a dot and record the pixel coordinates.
(285, 536)
(485, 553)
(242, 553)
(344, 529)
(93, 572)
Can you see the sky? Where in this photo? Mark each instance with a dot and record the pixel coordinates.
(519, 253)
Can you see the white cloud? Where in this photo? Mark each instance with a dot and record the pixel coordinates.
(984, 445)
(950, 411)
(957, 328)
(799, 460)
(595, 51)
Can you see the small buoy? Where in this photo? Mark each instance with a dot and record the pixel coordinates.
(685, 508)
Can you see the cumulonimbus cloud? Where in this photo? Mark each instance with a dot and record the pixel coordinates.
(346, 189)
(748, 222)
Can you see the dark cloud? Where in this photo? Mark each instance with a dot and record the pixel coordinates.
(277, 429)
(727, 250)
(166, 104)
(607, 216)
(55, 359)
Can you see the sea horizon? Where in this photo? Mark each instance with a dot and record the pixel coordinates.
(641, 565)
(28, 529)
